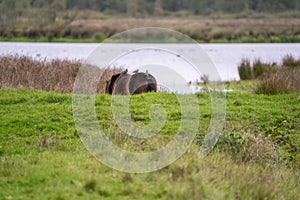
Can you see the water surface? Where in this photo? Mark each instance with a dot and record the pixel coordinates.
(225, 57)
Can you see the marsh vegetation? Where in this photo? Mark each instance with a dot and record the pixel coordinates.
(205, 20)
(42, 157)
(274, 77)
(257, 155)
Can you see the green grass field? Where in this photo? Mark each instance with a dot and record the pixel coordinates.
(257, 156)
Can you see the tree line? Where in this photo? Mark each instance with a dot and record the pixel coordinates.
(151, 7)
(53, 18)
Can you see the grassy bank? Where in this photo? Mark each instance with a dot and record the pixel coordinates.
(50, 39)
(257, 156)
(212, 29)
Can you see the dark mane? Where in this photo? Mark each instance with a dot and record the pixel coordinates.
(110, 84)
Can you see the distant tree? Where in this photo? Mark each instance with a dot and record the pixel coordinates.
(83, 4)
(293, 4)
(132, 8)
(8, 13)
(70, 4)
(37, 3)
(196, 6)
(142, 7)
(48, 10)
(173, 5)
(22, 7)
(158, 11)
(235, 6)
(56, 7)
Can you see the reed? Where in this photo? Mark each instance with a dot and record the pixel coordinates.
(245, 70)
(56, 75)
(260, 68)
(290, 62)
(284, 80)
(274, 78)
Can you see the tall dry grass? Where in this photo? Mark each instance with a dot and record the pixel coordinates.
(290, 62)
(56, 75)
(274, 78)
(285, 80)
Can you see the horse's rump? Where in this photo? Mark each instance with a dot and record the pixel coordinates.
(138, 83)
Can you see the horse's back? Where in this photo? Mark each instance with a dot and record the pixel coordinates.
(138, 83)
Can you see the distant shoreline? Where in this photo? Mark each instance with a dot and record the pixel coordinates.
(202, 30)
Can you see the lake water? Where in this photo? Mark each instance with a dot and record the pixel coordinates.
(225, 57)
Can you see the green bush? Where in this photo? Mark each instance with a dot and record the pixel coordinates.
(98, 37)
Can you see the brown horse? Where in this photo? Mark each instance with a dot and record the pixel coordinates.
(124, 83)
